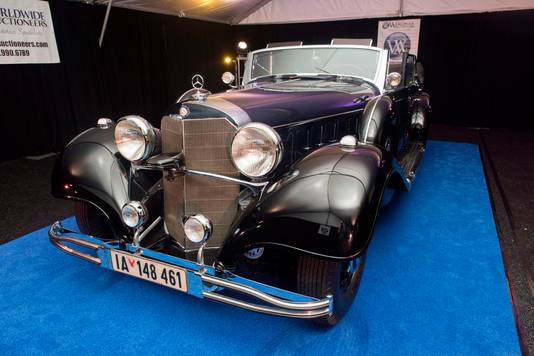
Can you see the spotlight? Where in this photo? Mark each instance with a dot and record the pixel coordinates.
(242, 45)
(134, 214)
(197, 228)
(227, 60)
(227, 78)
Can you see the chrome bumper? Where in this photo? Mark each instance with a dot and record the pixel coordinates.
(202, 280)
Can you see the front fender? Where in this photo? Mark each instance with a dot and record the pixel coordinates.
(325, 206)
(90, 170)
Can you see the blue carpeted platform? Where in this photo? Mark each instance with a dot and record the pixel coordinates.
(434, 284)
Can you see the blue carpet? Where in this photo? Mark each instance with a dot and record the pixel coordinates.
(434, 284)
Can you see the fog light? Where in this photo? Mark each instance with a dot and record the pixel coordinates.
(198, 228)
(134, 214)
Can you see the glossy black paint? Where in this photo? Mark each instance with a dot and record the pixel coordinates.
(326, 200)
(322, 199)
(278, 105)
(90, 169)
(325, 205)
(290, 102)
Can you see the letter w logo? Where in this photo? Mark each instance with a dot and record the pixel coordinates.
(397, 46)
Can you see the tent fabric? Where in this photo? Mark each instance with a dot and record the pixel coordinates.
(226, 11)
(292, 11)
(248, 12)
(288, 11)
(445, 7)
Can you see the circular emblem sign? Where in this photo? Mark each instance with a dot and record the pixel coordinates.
(197, 81)
(397, 43)
(254, 253)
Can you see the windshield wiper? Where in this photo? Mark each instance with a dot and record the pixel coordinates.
(262, 67)
(323, 70)
(318, 76)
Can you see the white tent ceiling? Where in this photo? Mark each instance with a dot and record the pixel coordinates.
(244, 12)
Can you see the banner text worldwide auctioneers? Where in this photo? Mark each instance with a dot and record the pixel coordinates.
(26, 33)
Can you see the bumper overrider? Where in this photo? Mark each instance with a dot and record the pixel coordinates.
(202, 281)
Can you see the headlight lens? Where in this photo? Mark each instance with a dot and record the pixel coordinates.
(256, 150)
(198, 228)
(134, 214)
(135, 138)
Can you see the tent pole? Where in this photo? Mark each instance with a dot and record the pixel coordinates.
(104, 25)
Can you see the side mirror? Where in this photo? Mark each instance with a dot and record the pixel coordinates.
(393, 80)
(228, 78)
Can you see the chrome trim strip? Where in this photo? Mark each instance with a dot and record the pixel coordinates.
(189, 94)
(57, 239)
(307, 121)
(265, 297)
(233, 111)
(303, 314)
(175, 166)
(201, 279)
(364, 139)
(253, 185)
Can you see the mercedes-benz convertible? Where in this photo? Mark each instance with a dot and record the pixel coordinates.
(264, 196)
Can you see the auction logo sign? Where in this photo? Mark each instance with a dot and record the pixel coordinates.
(399, 36)
(26, 32)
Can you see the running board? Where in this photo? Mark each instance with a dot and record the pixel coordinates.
(411, 160)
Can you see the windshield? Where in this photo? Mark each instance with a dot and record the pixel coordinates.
(357, 62)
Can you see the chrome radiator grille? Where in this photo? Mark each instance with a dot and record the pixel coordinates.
(205, 144)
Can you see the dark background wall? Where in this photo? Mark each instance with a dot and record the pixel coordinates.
(478, 69)
(146, 61)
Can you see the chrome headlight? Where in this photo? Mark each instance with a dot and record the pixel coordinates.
(134, 214)
(256, 150)
(198, 228)
(135, 138)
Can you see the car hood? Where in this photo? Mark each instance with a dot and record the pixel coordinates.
(293, 101)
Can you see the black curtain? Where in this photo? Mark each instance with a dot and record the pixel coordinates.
(478, 67)
(146, 61)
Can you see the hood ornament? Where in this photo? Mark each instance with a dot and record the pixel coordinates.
(197, 81)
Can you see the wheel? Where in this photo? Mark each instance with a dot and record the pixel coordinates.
(318, 278)
(91, 221)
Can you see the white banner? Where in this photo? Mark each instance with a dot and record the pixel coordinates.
(398, 36)
(26, 32)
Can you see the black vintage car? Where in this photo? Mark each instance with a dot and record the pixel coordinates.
(263, 197)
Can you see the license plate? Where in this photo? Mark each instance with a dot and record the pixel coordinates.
(157, 272)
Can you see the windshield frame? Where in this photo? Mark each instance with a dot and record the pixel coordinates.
(378, 80)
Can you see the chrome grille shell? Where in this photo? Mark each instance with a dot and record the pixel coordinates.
(205, 144)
